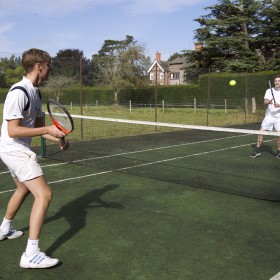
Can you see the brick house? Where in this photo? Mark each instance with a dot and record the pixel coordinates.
(168, 72)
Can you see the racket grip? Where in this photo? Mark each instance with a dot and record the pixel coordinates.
(62, 139)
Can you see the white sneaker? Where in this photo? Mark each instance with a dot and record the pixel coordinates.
(12, 234)
(38, 260)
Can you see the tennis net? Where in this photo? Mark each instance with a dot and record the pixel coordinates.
(214, 158)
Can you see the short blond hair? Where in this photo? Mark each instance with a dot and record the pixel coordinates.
(33, 56)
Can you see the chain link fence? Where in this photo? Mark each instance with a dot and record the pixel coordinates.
(74, 82)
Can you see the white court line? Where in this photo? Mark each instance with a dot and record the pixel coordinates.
(276, 277)
(138, 165)
(135, 152)
(160, 148)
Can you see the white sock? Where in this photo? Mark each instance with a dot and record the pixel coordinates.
(32, 247)
(5, 226)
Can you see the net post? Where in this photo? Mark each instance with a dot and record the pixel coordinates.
(43, 147)
(43, 141)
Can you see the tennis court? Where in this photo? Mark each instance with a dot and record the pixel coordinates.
(168, 203)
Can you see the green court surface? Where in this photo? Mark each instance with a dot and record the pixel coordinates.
(120, 226)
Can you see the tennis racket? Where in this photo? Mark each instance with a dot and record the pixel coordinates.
(60, 117)
(272, 92)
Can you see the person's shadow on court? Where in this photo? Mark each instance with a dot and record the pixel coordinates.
(75, 213)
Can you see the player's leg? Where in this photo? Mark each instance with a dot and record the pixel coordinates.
(257, 150)
(277, 128)
(17, 199)
(266, 125)
(260, 140)
(6, 229)
(32, 257)
(278, 147)
(42, 197)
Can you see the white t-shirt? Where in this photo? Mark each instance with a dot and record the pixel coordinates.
(271, 110)
(15, 103)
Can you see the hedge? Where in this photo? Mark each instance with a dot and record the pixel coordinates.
(214, 86)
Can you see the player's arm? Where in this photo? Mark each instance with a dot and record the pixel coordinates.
(267, 101)
(15, 130)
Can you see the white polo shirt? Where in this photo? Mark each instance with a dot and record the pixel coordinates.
(271, 110)
(15, 103)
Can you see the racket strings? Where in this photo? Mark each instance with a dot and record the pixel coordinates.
(60, 117)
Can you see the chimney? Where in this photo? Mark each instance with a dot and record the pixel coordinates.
(198, 47)
(158, 56)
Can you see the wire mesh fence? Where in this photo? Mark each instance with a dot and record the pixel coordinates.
(76, 83)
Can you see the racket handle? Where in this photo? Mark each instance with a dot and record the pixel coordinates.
(64, 144)
(62, 139)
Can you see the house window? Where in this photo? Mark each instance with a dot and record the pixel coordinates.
(152, 76)
(175, 76)
(161, 76)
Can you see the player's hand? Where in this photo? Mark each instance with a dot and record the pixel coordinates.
(63, 144)
(54, 131)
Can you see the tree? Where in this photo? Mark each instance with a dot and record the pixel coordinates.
(14, 75)
(55, 84)
(173, 56)
(72, 63)
(8, 64)
(121, 65)
(268, 43)
(237, 36)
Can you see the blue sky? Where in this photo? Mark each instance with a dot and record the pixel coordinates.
(166, 26)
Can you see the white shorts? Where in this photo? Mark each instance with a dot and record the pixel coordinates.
(22, 164)
(270, 123)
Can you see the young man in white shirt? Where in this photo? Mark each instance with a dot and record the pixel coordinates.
(22, 120)
(271, 120)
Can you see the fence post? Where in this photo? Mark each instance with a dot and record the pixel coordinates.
(156, 93)
(246, 97)
(246, 109)
(81, 95)
(208, 99)
(254, 106)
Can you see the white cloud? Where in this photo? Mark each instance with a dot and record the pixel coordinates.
(4, 27)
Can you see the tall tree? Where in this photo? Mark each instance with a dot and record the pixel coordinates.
(268, 38)
(121, 64)
(69, 63)
(236, 36)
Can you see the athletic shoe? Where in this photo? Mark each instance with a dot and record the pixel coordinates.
(38, 260)
(255, 153)
(12, 234)
(278, 154)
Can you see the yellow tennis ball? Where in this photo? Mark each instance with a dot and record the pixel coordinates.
(232, 83)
